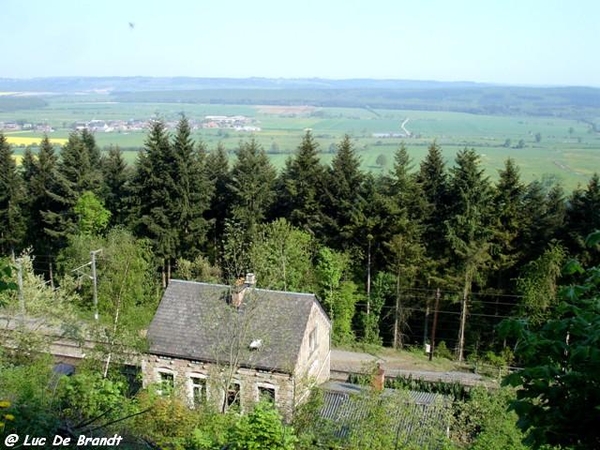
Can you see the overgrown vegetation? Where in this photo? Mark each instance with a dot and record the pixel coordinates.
(388, 256)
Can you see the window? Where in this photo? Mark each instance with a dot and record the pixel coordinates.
(312, 340)
(233, 395)
(166, 381)
(197, 386)
(266, 393)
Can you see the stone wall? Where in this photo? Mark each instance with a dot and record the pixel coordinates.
(210, 381)
(313, 365)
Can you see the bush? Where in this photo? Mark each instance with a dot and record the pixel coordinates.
(441, 351)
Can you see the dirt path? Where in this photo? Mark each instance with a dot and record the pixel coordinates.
(344, 362)
(403, 128)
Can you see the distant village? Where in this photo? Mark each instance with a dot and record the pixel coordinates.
(236, 123)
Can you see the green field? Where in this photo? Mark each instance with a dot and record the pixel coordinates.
(569, 149)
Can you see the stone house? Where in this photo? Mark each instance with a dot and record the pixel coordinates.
(233, 345)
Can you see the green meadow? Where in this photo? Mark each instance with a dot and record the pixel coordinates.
(560, 148)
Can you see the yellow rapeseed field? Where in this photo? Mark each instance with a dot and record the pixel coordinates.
(22, 140)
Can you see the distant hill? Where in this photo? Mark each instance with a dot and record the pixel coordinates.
(581, 103)
(136, 84)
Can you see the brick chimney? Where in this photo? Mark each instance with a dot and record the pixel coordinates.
(378, 380)
(240, 287)
(250, 280)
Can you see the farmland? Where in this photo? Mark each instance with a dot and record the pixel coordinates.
(564, 147)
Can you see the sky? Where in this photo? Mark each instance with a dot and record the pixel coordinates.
(525, 42)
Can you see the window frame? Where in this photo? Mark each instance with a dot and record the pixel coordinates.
(237, 399)
(192, 386)
(313, 339)
(161, 373)
(266, 387)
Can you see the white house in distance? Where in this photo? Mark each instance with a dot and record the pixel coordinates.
(232, 345)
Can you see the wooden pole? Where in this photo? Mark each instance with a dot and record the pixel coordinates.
(435, 318)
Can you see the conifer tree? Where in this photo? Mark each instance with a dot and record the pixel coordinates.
(409, 204)
(508, 220)
(28, 165)
(433, 180)
(584, 218)
(468, 228)
(342, 190)
(405, 249)
(251, 187)
(93, 151)
(193, 192)
(115, 189)
(11, 201)
(80, 164)
(219, 177)
(301, 185)
(544, 218)
(155, 192)
(405, 189)
(50, 216)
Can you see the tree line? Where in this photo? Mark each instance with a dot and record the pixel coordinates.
(364, 243)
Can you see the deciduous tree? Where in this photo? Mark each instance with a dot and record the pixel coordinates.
(281, 256)
(558, 389)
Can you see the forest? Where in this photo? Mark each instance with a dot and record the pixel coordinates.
(383, 253)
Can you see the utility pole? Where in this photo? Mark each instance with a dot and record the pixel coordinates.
(95, 282)
(369, 239)
(435, 317)
(19, 262)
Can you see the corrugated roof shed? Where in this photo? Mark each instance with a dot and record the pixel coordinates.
(416, 416)
(196, 321)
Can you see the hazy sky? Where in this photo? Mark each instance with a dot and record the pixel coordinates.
(547, 42)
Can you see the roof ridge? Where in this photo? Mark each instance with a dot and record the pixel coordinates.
(198, 282)
(278, 291)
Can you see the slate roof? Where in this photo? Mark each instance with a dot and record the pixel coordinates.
(416, 416)
(196, 321)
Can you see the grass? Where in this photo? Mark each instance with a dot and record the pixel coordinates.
(407, 358)
(567, 151)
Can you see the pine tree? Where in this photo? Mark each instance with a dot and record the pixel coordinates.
(468, 228)
(251, 187)
(544, 219)
(28, 165)
(80, 164)
(432, 178)
(301, 185)
(193, 192)
(12, 220)
(50, 216)
(89, 142)
(406, 195)
(155, 192)
(508, 220)
(219, 177)
(115, 189)
(405, 249)
(584, 218)
(344, 183)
